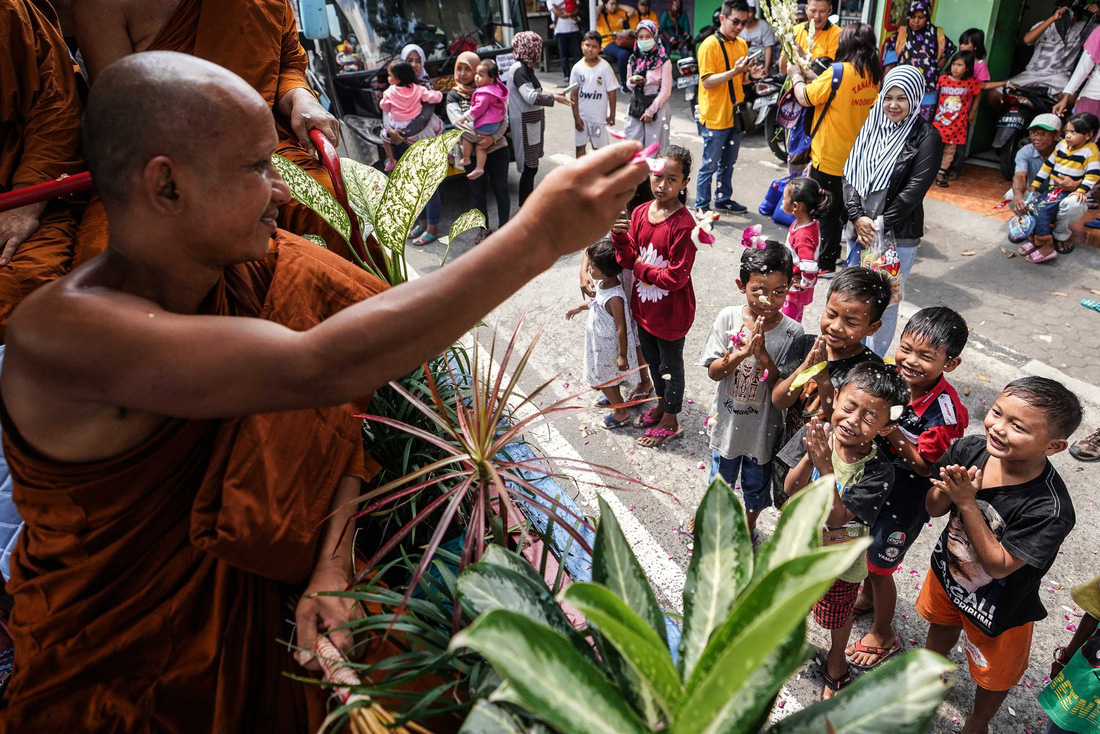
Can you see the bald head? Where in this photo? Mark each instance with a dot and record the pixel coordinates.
(160, 103)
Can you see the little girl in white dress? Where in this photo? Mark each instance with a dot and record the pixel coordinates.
(610, 347)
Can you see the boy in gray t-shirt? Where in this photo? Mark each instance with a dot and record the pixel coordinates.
(743, 347)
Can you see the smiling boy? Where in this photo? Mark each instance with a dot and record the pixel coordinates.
(934, 419)
(867, 406)
(1010, 512)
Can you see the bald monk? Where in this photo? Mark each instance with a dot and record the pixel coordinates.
(153, 399)
(39, 142)
(256, 39)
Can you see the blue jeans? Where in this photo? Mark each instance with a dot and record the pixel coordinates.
(756, 479)
(880, 341)
(621, 56)
(720, 148)
(569, 49)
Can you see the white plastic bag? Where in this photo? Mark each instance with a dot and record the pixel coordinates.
(882, 255)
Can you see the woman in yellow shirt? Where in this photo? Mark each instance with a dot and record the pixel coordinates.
(643, 12)
(837, 122)
(612, 20)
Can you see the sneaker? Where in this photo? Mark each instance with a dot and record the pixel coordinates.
(731, 206)
(1088, 448)
(824, 274)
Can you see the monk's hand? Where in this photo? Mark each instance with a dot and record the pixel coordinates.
(16, 225)
(306, 114)
(592, 190)
(318, 614)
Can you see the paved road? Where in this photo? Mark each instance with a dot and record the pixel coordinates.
(1040, 331)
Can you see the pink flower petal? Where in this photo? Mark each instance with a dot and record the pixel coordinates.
(616, 134)
(656, 165)
(764, 376)
(647, 153)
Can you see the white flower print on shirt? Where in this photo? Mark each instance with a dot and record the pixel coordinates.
(647, 292)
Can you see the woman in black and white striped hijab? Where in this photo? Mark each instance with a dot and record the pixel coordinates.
(892, 164)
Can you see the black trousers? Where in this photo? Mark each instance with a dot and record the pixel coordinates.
(666, 366)
(569, 49)
(526, 182)
(496, 177)
(832, 224)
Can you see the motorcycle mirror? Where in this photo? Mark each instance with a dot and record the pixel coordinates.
(314, 17)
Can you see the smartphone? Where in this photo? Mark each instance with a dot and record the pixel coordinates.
(569, 89)
(756, 55)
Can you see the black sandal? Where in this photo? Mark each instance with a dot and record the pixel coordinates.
(941, 179)
(836, 684)
(1064, 247)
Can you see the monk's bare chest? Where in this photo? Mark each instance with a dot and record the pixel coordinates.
(146, 18)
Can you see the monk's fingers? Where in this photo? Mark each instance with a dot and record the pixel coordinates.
(307, 616)
(11, 242)
(611, 158)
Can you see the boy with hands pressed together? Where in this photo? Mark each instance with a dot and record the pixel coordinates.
(867, 406)
(1010, 512)
(930, 347)
(740, 354)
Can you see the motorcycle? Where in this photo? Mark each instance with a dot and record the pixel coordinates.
(1021, 105)
(767, 92)
(687, 78)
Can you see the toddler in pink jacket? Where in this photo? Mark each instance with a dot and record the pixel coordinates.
(488, 108)
(403, 100)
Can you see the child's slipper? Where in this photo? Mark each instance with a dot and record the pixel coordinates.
(611, 424)
(416, 232)
(425, 239)
(836, 684)
(603, 403)
(1037, 257)
(659, 436)
(1089, 303)
(390, 165)
(647, 419)
(857, 612)
(882, 653)
(1026, 249)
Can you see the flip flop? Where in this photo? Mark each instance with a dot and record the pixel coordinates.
(611, 424)
(1064, 247)
(416, 232)
(883, 653)
(603, 403)
(662, 436)
(636, 394)
(480, 237)
(857, 613)
(646, 420)
(1037, 257)
(426, 238)
(1089, 303)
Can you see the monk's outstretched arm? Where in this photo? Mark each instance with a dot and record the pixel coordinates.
(132, 355)
(101, 33)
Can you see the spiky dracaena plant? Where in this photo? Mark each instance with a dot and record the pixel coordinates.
(476, 485)
(744, 636)
(386, 206)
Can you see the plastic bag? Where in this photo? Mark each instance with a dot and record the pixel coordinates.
(882, 255)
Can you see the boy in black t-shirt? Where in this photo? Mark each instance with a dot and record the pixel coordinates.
(856, 301)
(1010, 512)
(867, 406)
(935, 418)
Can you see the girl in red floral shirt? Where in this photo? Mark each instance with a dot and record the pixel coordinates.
(656, 246)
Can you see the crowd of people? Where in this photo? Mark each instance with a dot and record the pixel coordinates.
(190, 372)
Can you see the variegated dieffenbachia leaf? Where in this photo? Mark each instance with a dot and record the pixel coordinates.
(313, 195)
(316, 239)
(411, 184)
(365, 186)
(464, 223)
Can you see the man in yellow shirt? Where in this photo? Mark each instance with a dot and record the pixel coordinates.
(826, 34)
(723, 61)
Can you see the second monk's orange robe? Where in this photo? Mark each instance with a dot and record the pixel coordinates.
(258, 41)
(151, 588)
(39, 141)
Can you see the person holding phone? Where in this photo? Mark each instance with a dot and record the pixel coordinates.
(723, 63)
(613, 24)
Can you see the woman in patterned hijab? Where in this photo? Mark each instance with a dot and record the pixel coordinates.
(921, 44)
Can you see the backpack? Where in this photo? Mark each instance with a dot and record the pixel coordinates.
(798, 141)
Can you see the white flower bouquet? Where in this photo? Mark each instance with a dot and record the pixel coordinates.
(782, 16)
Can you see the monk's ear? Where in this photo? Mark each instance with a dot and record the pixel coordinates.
(159, 185)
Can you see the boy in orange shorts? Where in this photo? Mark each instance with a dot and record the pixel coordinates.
(1010, 512)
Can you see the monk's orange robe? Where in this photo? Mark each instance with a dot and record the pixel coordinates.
(257, 40)
(151, 589)
(39, 141)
